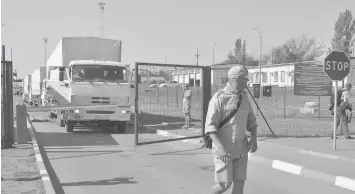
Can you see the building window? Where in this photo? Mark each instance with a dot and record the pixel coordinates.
(251, 77)
(282, 76)
(224, 81)
(257, 77)
(264, 77)
(276, 76)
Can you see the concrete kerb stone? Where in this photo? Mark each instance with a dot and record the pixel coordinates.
(313, 153)
(339, 181)
(48, 186)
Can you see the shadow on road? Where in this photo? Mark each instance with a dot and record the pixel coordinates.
(184, 152)
(84, 155)
(114, 181)
(82, 138)
(151, 119)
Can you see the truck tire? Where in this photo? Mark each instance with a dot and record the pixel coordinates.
(69, 126)
(121, 127)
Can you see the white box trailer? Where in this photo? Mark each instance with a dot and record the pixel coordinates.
(84, 48)
(26, 88)
(37, 78)
(27, 84)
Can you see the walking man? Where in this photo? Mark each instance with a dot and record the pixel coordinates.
(187, 105)
(230, 145)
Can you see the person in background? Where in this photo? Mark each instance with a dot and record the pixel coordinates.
(344, 111)
(230, 145)
(187, 95)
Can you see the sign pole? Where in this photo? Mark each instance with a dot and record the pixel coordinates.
(335, 114)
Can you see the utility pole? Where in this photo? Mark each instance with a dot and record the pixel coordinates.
(213, 54)
(197, 56)
(260, 55)
(102, 4)
(45, 40)
(244, 54)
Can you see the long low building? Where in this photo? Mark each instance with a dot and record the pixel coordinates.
(276, 74)
(280, 75)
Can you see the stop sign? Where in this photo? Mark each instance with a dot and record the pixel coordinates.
(337, 65)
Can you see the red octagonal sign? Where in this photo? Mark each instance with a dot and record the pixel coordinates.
(337, 65)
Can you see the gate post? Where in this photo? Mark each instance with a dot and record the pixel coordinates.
(22, 133)
(206, 93)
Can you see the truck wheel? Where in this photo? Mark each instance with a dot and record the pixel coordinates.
(69, 126)
(121, 127)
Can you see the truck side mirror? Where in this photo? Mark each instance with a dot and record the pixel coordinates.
(61, 76)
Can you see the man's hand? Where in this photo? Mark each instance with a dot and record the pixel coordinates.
(253, 143)
(223, 155)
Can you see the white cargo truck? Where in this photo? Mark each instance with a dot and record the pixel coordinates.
(26, 89)
(88, 71)
(36, 84)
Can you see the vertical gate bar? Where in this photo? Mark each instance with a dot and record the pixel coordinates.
(3, 131)
(4, 104)
(136, 105)
(206, 93)
(11, 103)
(7, 107)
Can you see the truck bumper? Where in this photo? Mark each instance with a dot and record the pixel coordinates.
(82, 116)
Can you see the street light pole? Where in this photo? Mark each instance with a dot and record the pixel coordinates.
(45, 40)
(261, 38)
(197, 56)
(213, 54)
(102, 4)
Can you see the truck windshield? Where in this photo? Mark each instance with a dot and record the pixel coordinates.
(98, 73)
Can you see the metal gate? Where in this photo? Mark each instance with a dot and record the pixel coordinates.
(159, 104)
(7, 117)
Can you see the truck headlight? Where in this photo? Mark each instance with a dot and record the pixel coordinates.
(76, 111)
(123, 112)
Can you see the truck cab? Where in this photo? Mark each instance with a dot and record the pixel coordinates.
(90, 82)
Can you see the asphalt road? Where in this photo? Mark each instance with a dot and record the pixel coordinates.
(97, 162)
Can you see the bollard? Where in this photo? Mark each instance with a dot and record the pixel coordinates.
(22, 133)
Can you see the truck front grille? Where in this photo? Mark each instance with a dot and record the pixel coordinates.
(100, 100)
(100, 111)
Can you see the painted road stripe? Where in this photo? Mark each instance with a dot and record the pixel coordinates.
(340, 181)
(345, 183)
(43, 172)
(45, 178)
(287, 167)
(39, 158)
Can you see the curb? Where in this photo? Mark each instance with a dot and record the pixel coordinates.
(48, 186)
(302, 151)
(312, 153)
(340, 181)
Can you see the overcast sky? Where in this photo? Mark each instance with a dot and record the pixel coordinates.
(154, 29)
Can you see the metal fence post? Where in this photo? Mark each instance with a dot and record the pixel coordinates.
(11, 102)
(285, 101)
(206, 93)
(136, 113)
